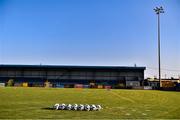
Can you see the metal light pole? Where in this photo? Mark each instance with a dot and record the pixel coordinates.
(158, 11)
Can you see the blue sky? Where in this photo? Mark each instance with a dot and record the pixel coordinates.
(90, 32)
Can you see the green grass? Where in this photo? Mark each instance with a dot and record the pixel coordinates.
(31, 103)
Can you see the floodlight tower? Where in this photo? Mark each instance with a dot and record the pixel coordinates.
(158, 11)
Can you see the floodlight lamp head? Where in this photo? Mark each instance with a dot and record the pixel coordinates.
(159, 10)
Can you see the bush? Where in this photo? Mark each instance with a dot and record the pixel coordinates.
(10, 82)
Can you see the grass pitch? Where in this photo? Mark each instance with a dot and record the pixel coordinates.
(33, 103)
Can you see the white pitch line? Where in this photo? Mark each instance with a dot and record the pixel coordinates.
(127, 114)
(133, 110)
(125, 98)
(144, 114)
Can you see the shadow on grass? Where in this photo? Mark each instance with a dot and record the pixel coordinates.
(47, 108)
